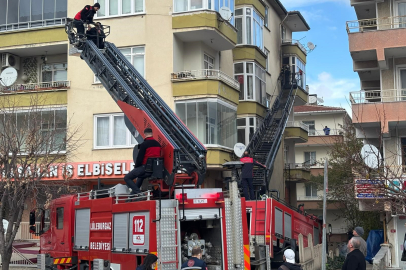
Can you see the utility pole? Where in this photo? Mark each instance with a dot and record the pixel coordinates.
(325, 191)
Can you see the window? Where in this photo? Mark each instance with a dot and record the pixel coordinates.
(212, 120)
(246, 128)
(403, 149)
(283, 32)
(190, 5)
(311, 190)
(59, 218)
(400, 6)
(286, 153)
(252, 81)
(136, 56)
(208, 62)
(110, 131)
(109, 8)
(312, 127)
(267, 59)
(298, 67)
(31, 13)
(54, 72)
(250, 27)
(266, 16)
(52, 124)
(47, 220)
(310, 158)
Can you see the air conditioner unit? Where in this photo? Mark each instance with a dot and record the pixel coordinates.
(10, 60)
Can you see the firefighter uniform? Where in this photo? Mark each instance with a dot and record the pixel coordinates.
(247, 175)
(85, 15)
(194, 263)
(150, 148)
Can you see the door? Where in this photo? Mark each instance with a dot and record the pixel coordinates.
(402, 83)
(401, 13)
(60, 229)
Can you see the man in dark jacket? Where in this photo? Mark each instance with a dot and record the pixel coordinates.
(355, 259)
(247, 175)
(150, 148)
(85, 15)
(289, 261)
(195, 262)
(96, 35)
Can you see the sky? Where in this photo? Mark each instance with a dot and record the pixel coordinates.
(329, 68)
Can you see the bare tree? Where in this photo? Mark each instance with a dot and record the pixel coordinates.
(34, 140)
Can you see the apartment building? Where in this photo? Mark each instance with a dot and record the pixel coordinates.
(309, 158)
(377, 47)
(215, 62)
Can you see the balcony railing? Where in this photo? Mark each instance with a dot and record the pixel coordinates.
(377, 96)
(37, 86)
(320, 132)
(208, 74)
(383, 23)
(33, 24)
(295, 42)
(298, 124)
(300, 166)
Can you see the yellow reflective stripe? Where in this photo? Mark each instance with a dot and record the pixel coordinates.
(56, 261)
(68, 260)
(63, 260)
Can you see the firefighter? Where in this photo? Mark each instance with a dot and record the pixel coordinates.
(149, 263)
(195, 262)
(85, 15)
(247, 175)
(150, 148)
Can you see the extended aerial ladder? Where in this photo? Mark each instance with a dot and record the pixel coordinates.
(265, 142)
(184, 156)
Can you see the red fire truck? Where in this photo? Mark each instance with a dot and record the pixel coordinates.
(111, 229)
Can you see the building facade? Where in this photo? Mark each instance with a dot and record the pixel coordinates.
(215, 62)
(309, 158)
(377, 44)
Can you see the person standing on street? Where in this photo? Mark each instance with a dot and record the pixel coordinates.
(355, 259)
(247, 174)
(85, 16)
(359, 232)
(289, 261)
(195, 262)
(150, 148)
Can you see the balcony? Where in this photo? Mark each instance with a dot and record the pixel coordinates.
(34, 87)
(289, 46)
(249, 53)
(377, 39)
(296, 131)
(33, 24)
(206, 26)
(379, 108)
(297, 171)
(206, 82)
(320, 132)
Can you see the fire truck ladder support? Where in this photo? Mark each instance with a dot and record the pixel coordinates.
(265, 143)
(124, 83)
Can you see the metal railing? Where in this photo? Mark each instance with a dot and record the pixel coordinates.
(297, 124)
(23, 232)
(320, 132)
(211, 74)
(36, 86)
(33, 24)
(374, 24)
(377, 96)
(300, 166)
(295, 42)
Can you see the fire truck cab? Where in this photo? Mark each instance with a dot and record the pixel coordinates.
(104, 230)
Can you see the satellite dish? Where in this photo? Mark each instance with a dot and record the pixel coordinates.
(8, 76)
(371, 156)
(311, 46)
(225, 13)
(239, 149)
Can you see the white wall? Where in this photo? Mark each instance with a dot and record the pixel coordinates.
(193, 56)
(321, 120)
(321, 152)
